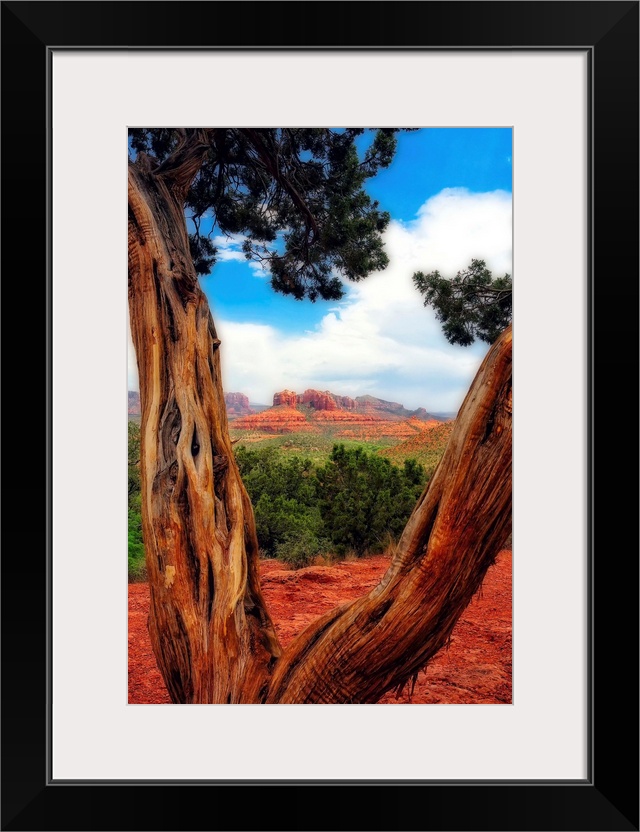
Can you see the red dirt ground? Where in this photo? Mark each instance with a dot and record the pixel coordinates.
(474, 669)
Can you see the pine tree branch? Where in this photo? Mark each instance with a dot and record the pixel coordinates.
(271, 164)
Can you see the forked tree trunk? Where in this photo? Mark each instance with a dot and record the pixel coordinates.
(210, 631)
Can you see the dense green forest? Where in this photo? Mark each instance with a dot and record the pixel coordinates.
(350, 501)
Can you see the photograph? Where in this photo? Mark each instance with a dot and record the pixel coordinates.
(319, 401)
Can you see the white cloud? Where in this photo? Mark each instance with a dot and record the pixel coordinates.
(380, 339)
(229, 248)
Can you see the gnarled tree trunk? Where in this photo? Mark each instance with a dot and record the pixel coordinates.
(211, 634)
(210, 631)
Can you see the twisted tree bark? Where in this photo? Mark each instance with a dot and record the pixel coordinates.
(210, 630)
(211, 634)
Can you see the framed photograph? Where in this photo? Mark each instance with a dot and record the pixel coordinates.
(562, 80)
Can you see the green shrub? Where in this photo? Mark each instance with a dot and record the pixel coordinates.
(356, 502)
(284, 496)
(136, 561)
(364, 500)
(279, 519)
(302, 548)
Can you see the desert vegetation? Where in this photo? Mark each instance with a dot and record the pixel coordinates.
(345, 501)
(355, 503)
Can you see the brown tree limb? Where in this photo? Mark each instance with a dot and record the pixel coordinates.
(181, 167)
(210, 631)
(356, 653)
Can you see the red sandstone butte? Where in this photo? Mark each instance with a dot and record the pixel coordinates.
(285, 397)
(237, 404)
(279, 419)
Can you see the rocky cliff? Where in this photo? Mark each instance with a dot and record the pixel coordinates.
(237, 405)
(325, 400)
(321, 412)
(316, 411)
(370, 404)
(287, 398)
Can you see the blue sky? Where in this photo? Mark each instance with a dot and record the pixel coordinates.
(448, 191)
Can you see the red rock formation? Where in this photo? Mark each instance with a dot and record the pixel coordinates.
(237, 400)
(318, 400)
(326, 400)
(286, 397)
(346, 403)
(389, 410)
(237, 405)
(279, 419)
(316, 411)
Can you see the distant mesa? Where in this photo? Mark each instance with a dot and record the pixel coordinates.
(445, 415)
(326, 401)
(279, 419)
(315, 399)
(237, 405)
(321, 412)
(316, 411)
(370, 404)
(362, 404)
(134, 403)
(286, 398)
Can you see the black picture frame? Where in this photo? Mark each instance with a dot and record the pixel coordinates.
(608, 798)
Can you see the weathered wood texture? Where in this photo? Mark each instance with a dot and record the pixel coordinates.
(209, 627)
